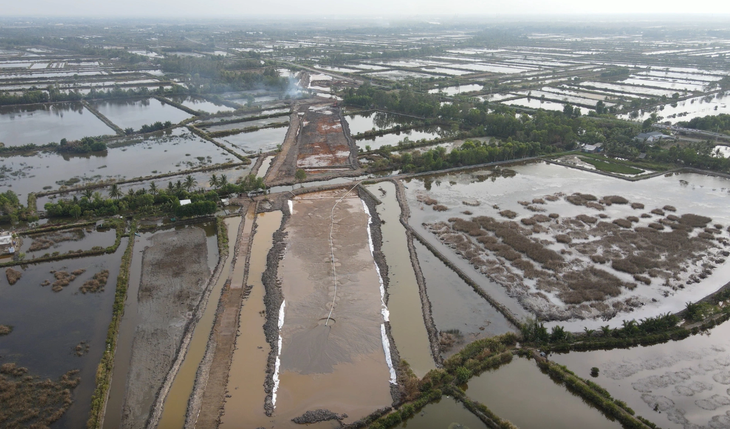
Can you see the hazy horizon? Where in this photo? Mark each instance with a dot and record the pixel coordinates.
(455, 9)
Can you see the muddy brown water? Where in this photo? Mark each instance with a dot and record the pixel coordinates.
(49, 325)
(176, 403)
(404, 302)
(245, 406)
(686, 380)
(46, 123)
(265, 166)
(336, 364)
(447, 413)
(522, 394)
(455, 305)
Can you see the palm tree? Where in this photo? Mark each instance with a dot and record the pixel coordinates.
(178, 186)
(88, 193)
(223, 181)
(190, 182)
(114, 192)
(213, 181)
(170, 187)
(153, 188)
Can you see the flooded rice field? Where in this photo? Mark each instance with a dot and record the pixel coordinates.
(392, 139)
(245, 395)
(162, 153)
(201, 104)
(48, 123)
(521, 197)
(685, 110)
(404, 303)
(71, 333)
(523, 386)
(263, 140)
(375, 121)
(679, 384)
(135, 113)
(460, 314)
(454, 90)
(64, 241)
(447, 413)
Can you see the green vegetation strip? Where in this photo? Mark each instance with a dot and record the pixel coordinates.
(222, 232)
(104, 371)
(475, 358)
(611, 167)
(595, 394)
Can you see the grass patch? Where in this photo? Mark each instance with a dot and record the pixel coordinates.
(611, 167)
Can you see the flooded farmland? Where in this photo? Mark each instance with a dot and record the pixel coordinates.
(48, 124)
(263, 140)
(496, 193)
(71, 333)
(407, 320)
(135, 113)
(529, 387)
(424, 212)
(679, 384)
(159, 154)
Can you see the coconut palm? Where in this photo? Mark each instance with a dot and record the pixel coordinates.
(213, 181)
(153, 188)
(190, 182)
(88, 193)
(114, 192)
(223, 180)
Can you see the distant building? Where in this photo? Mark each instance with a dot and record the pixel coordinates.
(7, 244)
(185, 202)
(592, 148)
(652, 137)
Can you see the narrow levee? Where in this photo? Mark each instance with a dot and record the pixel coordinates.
(209, 393)
(174, 411)
(244, 407)
(404, 302)
(130, 320)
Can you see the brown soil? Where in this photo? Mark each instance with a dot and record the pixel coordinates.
(13, 275)
(27, 401)
(168, 293)
(322, 142)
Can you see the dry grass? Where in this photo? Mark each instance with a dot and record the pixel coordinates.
(633, 219)
(563, 238)
(97, 282)
(586, 219)
(509, 214)
(645, 216)
(670, 208)
(694, 221)
(615, 199)
(637, 206)
(48, 240)
(538, 201)
(30, 402)
(554, 215)
(63, 279)
(425, 199)
(13, 275)
(528, 221)
(659, 212)
(5, 330)
(623, 223)
(440, 208)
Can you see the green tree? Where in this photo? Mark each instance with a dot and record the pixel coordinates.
(213, 181)
(153, 188)
(190, 182)
(114, 192)
(300, 175)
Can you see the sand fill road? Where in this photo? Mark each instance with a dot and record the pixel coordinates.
(340, 367)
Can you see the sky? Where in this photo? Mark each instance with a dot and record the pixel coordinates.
(370, 8)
